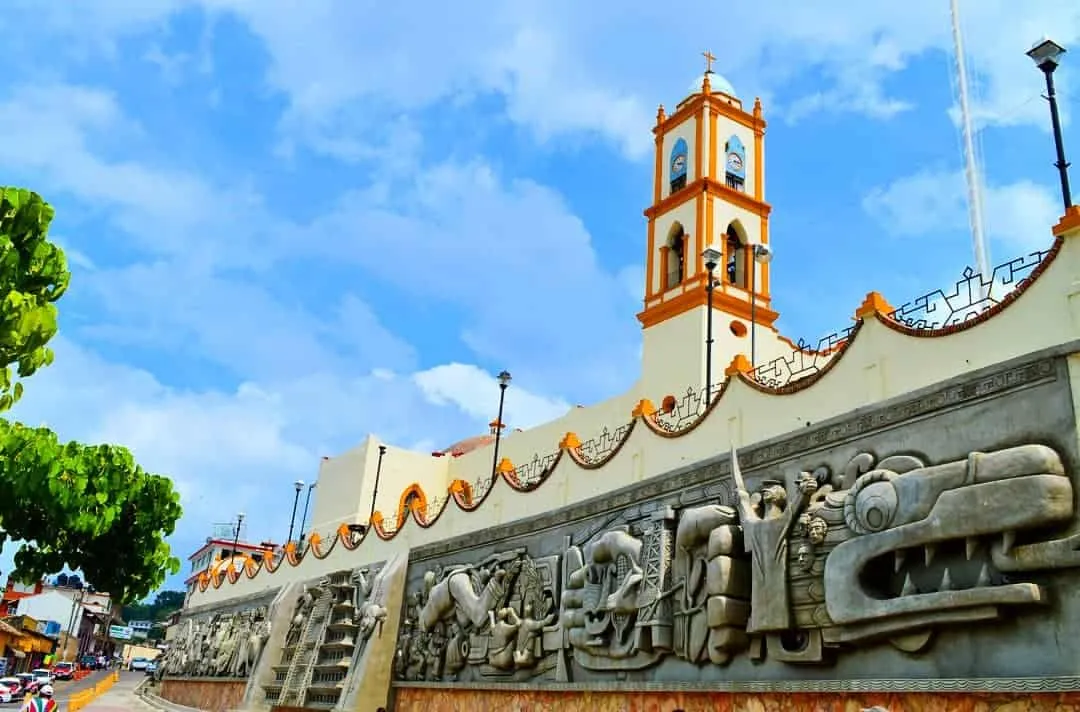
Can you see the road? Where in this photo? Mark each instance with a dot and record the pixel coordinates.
(66, 688)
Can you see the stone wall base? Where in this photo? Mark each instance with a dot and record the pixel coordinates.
(442, 700)
(208, 694)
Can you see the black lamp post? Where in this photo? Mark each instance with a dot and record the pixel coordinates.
(299, 485)
(375, 489)
(762, 254)
(303, 517)
(504, 381)
(1047, 55)
(712, 258)
(236, 537)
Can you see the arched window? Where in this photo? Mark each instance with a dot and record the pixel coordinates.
(677, 168)
(734, 248)
(676, 256)
(735, 164)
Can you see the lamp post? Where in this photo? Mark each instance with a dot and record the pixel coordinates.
(236, 538)
(1047, 55)
(712, 258)
(375, 489)
(299, 485)
(303, 517)
(504, 381)
(762, 254)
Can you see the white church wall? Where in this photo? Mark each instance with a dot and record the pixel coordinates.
(881, 363)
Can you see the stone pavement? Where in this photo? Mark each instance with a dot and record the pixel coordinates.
(120, 697)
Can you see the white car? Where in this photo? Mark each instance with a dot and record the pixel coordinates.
(42, 676)
(138, 663)
(10, 688)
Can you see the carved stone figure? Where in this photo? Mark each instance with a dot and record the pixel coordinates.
(529, 645)
(504, 628)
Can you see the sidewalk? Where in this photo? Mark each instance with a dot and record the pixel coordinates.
(120, 697)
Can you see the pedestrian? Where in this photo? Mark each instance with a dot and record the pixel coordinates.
(44, 701)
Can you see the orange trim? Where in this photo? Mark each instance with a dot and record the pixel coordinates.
(722, 107)
(873, 304)
(714, 188)
(1069, 222)
(650, 289)
(700, 238)
(714, 143)
(658, 173)
(699, 146)
(663, 269)
(461, 492)
(693, 298)
(416, 489)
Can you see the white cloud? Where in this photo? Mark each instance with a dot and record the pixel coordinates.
(475, 392)
(566, 67)
(1019, 214)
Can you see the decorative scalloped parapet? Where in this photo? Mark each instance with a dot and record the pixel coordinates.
(470, 496)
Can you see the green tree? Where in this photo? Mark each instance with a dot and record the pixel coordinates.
(89, 507)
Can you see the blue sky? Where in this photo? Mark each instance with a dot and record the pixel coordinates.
(291, 224)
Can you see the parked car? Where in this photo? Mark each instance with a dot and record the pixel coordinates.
(151, 667)
(28, 682)
(63, 671)
(138, 663)
(42, 676)
(10, 689)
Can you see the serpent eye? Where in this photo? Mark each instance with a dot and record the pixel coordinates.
(876, 506)
(870, 506)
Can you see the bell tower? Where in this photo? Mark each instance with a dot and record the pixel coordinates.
(708, 191)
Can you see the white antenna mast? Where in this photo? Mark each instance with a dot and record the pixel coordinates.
(971, 164)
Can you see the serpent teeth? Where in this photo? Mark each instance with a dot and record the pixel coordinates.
(929, 550)
(984, 578)
(1008, 539)
(898, 563)
(909, 587)
(946, 582)
(970, 545)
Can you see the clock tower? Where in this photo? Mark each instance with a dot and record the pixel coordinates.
(708, 191)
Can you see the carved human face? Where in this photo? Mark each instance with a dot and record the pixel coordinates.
(774, 495)
(816, 530)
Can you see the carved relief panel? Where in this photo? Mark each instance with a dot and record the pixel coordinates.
(849, 560)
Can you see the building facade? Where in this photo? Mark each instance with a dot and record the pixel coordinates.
(882, 519)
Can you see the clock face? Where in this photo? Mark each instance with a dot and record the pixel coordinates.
(678, 164)
(735, 162)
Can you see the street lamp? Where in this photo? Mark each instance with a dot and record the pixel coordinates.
(375, 488)
(504, 381)
(762, 255)
(303, 517)
(236, 538)
(712, 258)
(1047, 55)
(299, 485)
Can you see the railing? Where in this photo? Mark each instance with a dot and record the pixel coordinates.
(82, 698)
(970, 297)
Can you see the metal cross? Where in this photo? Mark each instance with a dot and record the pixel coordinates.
(709, 59)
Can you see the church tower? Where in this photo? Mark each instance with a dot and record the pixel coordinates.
(708, 191)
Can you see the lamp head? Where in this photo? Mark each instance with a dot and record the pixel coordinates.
(504, 379)
(382, 450)
(240, 516)
(763, 254)
(1046, 54)
(299, 485)
(712, 257)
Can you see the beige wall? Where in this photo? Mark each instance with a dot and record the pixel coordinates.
(881, 363)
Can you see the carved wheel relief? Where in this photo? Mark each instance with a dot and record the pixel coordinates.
(795, 571)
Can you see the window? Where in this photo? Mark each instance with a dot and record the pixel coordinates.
(676, 262)
(735, 164)
(677, 165)
(736, 259)
(736, 183)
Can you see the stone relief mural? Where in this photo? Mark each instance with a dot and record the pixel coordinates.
(332, 622)
(219, 645)
(799, 569)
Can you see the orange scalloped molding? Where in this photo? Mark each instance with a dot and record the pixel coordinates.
(461, 492)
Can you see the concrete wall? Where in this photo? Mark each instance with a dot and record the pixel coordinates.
(1018, 403)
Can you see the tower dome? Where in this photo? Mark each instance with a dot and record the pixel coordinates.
(717, 84)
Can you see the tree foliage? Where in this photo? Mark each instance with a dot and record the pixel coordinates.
(89, 507)
(164, 604)
(33, 275)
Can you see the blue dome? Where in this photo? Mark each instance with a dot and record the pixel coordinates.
(717, 84)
